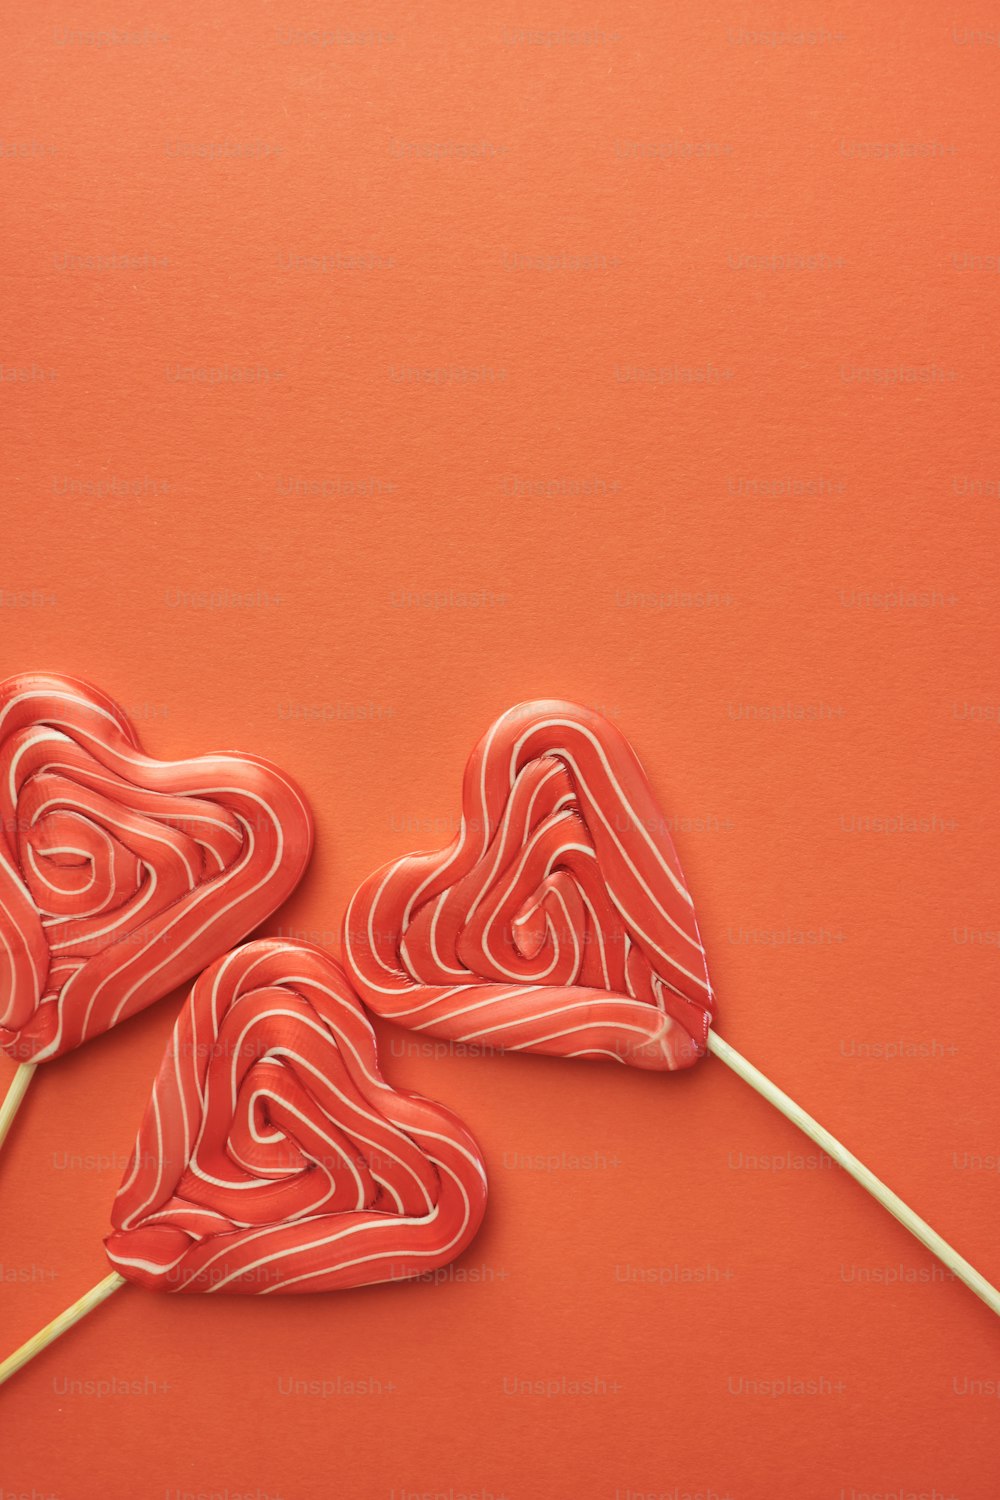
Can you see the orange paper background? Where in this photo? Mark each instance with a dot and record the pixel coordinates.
(364, 374)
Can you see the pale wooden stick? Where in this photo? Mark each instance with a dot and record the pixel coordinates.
(850, 1163)
(52, 1331)
(14, 1095)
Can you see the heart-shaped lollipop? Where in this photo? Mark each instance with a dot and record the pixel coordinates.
(273, 1156)
(122, 876)
(558, 920)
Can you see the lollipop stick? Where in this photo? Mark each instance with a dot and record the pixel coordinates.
(52, 1331)
(13, 1097)
(850, 1163)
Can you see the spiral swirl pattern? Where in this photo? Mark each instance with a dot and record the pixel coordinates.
(273, 1156)
(557, 921)
(122, 876)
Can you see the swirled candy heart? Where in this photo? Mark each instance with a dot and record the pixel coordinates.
(273, 1156)
(558, 920)
(122, 876)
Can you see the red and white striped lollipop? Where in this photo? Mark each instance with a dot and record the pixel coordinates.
(558, 920)
(122, 876)
(273, 1156)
